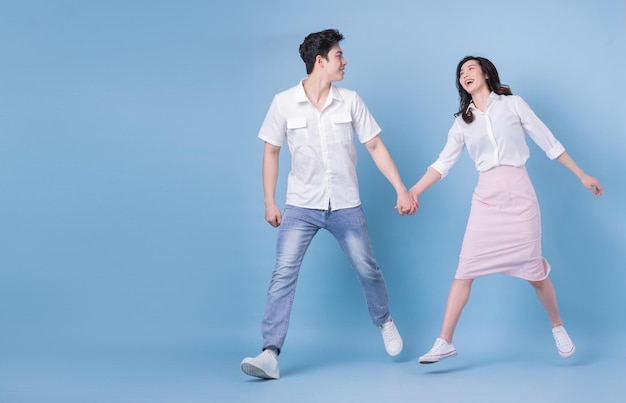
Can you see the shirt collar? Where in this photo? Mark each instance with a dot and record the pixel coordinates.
(493, 97)
(301, 95)
(490, 99)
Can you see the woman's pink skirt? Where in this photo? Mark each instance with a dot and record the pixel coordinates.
(503, 233)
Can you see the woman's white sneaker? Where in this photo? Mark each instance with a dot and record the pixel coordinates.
(564, 343)
(440, 350)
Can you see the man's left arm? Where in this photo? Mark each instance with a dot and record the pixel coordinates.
(377, 149)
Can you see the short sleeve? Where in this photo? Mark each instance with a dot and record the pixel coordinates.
(274, 125)
(363, 122)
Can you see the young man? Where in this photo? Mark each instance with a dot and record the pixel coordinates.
(318, 120)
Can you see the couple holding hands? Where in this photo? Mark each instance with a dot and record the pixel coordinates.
(503, 233)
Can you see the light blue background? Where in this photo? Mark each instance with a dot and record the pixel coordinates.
(134, 255)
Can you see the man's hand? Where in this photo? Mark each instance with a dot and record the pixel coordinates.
(405, 204)
(272, 215)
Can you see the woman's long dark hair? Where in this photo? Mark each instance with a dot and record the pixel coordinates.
(493, 82)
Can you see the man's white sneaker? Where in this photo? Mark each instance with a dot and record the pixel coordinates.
(392, 338)
(264, 365)
(564, 344)
(440, 350)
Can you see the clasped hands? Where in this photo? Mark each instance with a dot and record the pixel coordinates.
(406, 204)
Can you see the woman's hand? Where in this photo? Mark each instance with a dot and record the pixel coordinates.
(592, 184)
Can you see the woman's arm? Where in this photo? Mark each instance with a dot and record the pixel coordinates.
(589, 182)
(431, 177)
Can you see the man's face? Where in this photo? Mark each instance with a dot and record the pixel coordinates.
(333, 68)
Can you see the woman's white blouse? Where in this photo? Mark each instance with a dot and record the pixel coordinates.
(496, 137)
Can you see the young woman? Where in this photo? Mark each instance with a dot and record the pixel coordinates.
(503, 233)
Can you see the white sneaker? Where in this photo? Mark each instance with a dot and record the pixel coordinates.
(564, 344)
(440, 350)
(392, 338)
(264, 365)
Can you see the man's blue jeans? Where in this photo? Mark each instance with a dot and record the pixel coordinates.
(297, 229)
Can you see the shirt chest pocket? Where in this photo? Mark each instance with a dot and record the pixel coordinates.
(342, 128)
(297, 131)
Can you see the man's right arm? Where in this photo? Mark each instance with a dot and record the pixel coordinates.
(270, 177)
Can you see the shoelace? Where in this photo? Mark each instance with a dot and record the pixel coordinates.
(438, 347)
(561, 339)
(388, 333)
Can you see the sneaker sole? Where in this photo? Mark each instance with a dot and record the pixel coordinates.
(251, 370)
(436, 359)
(568, 354)
(394, 353)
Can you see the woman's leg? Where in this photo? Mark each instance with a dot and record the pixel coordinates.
(457, 299)
(547, 296)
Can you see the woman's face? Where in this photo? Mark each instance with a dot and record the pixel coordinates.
(472, 78)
